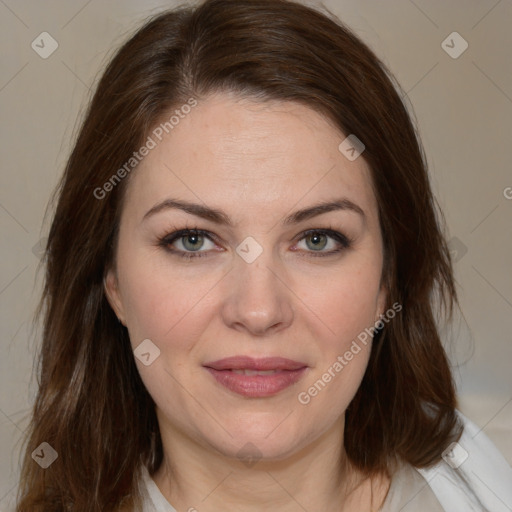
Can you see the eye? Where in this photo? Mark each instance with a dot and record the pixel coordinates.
(188, 243)
(324, 242)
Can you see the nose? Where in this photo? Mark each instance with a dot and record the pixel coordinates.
(257, 300)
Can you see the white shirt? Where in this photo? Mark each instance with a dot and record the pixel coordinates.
(473, 477)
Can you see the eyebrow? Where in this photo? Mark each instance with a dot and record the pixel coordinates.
(219, 217)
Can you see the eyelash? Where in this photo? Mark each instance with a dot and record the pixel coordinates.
(344, 242)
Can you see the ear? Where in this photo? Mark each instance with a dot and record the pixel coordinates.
(381, 302)
(111, 287)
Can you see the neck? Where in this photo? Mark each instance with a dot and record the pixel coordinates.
(318, 477)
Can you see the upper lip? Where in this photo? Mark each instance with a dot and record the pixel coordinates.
(250, 363)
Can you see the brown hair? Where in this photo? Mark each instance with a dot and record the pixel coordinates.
(92, 406)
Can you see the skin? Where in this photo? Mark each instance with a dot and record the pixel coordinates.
(258, 163)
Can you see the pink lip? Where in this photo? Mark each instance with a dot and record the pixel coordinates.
(288, 372)
(250, 363)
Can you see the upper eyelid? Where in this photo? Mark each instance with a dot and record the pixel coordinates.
(181, 233)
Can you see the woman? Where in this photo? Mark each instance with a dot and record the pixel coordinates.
(241, 271)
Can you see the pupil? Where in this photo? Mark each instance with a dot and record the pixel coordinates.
(192, 242)
(317, 239)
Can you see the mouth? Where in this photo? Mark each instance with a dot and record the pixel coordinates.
(256, 378)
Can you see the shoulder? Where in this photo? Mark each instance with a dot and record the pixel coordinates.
(409, 492)
(473, 475)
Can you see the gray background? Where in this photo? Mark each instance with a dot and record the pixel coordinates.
(463, 108)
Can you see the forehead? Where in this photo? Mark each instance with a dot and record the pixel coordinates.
(233, 152)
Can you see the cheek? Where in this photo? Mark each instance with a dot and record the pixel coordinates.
(345, 307)
(159, 302)
(169, 310)
(345, 310)
(345, 304)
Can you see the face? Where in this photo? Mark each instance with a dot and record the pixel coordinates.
(280, 270)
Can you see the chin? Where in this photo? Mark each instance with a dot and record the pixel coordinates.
(266, 440)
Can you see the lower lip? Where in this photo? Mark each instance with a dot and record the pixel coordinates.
(257, 386)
